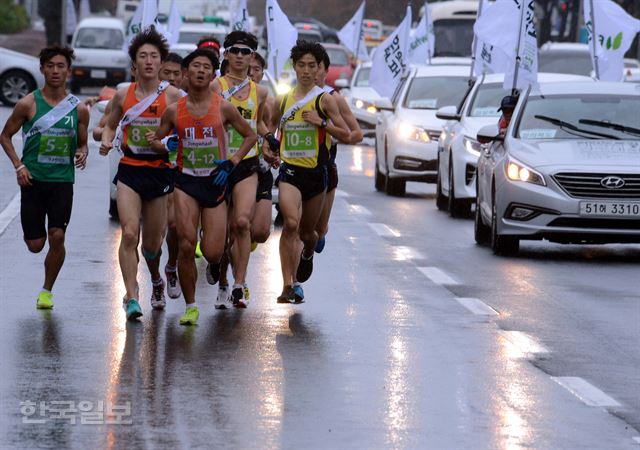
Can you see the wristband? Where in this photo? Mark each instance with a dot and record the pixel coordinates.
(20, 167)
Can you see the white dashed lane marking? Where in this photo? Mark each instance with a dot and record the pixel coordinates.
(524, 343)
(437, 276)
(585, 391)
(384, 230)
(359, 209)
(477, 306)
(9, 213)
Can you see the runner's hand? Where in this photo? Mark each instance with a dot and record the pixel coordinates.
(105, 148)
(222, 172)
(81, 159)
(150, 135)
(312, 117)
(24, 177)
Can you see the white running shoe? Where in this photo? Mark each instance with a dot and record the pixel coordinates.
(157, 297)
(223, 301)
(173, 285)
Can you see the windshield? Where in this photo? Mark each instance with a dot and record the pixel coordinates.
(487, 100)
(574, 63)
(311, 36)
(363, 77)
(575, 110)
(454, 37)
(192, 37)
(338, 57)
(435, 92)
(109, 38)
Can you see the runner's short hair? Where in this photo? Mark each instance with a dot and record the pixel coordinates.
(241, 37)
(47, 53)
(173, 58)
(149, 36)
(211, 56)
(258, 57)
(303, 47)
(326, 61)
(224, 66)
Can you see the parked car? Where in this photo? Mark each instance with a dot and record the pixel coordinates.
(361, 97)
(308, 32)
(328, 34)
(458, 149)
(19, 75)
(100, 58)
(565, 57)
(341, 67)
(407, 129)
(566, 170)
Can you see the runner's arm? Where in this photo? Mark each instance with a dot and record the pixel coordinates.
(18, 117)
(356, 133)
(272, 120)
(261, 125)
(336, 126)
(167, 124)
(83, 124)
(98, 129)
(231, 116)
(109, 131)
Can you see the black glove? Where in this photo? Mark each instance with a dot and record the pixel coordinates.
(274, 144)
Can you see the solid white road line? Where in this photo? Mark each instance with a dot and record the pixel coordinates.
(359, 209)
(383, 230)
(636, 439)
(9, 213)
(437, 276)
(525, 344)
(477, 306)
(585, 391)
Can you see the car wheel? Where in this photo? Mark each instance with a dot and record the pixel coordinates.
(481, 232)
(456, 208)
(14, 85)
(396, 187)
(380, 179)
(501, 245)
(441, 199)
(113, 209)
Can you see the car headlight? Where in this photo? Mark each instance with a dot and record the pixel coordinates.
(410, 132)
(358, 103)
(283, 88)
(472, 146)
(516, 171)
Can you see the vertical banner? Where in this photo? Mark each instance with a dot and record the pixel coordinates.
(145, 15)
(281, 36)
(423, 40)
(241, 18)
(172, 33)
(352, 36)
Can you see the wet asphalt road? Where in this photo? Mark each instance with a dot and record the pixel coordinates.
(382, 355)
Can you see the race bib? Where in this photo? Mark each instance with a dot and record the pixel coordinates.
(236, 139)
(198, 156)
(137, 135)
(55, 146)
(300, 141)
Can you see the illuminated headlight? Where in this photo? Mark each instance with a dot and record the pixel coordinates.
(358, 103)
(410, 132)
(472, 146)
(371, 109)
(516, 171)
(283, 88)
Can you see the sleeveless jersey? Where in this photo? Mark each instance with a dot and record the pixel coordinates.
(203, 140)
(303, 144)
(248, 109)
(50, 156)
(136, 148)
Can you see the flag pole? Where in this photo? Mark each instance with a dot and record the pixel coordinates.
(475, 41)
(360, 31)
(515, 75)
(593, 42)
(426, 22)
(275, 64)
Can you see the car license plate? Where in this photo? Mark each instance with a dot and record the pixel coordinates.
(610, 209)
(98, 74)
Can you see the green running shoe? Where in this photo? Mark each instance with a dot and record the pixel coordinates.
(132, 308)
(190, 317)
(198, 250)
(45, 300)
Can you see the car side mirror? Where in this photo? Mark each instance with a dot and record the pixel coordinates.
(341, 83)
(383, 104)
(448, 113)
(489, 133)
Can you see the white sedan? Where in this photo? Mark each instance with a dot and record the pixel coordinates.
(407, 129)
(361, 97)
(566, 170)
(19, 75)
(458, 149)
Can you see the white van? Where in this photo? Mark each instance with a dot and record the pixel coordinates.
(453, 26)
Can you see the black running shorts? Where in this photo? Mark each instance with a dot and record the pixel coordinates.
(243, 170)
(332, 173)
(310, 182)
(265, 184)
(202, 189)
(45, 200)
(148, 182)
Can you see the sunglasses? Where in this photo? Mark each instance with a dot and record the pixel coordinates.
(239, 51)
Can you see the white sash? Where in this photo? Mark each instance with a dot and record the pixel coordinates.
(328, 89)
(233, 90)
(288, 114)
(134, 112)
(68, 104)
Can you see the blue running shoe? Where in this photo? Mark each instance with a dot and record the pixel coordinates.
(320, 245)
(298, 293)
(132, 308)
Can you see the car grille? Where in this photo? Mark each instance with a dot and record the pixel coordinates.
(587, 185)
(612, 224)
(469, 173)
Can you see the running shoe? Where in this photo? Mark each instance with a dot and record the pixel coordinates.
(305, 268)
(45, 300)
(173, 285)
(247, 292)
(190, 317)
(254, 246)
(298, 293)
(213, 273)
(223, 301)
(287, 296)
(320, 245)
(132, 309)
(157, 296)
(238, 298)
(198, 250)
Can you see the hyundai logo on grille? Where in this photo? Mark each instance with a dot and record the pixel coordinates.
(612, 182)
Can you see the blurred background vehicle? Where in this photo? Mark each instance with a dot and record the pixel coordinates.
(19, 75)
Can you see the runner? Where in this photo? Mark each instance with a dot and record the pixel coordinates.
(248, 97)
(332, 169)
(144, 177)
(303, 174)
(54, 128)
(204, 170)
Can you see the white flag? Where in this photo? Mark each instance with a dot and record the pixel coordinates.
(85, 9)
(423, 39)
(71, 21)
(281, 37)
(500, 27)
(391, 59)
(488, 58)
(145, 15)
(241, 18)
(352, 36)
(615, 30)
(172, 33)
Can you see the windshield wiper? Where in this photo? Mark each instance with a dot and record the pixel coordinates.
(569, 126)
(613, 126)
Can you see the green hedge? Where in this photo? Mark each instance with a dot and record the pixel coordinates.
(13, 18)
